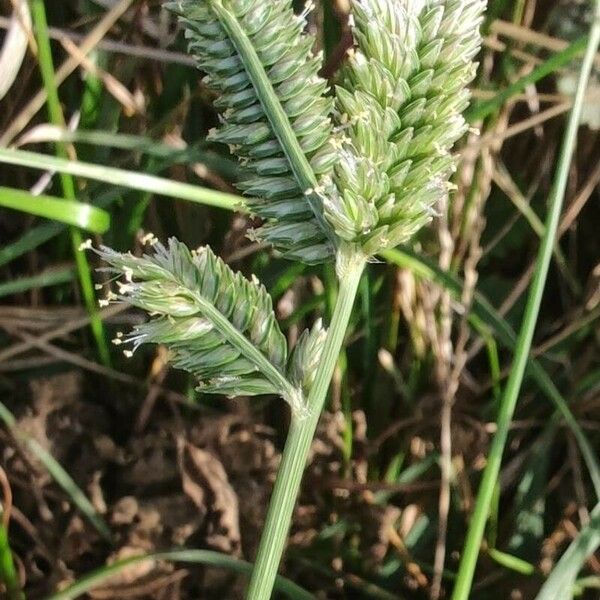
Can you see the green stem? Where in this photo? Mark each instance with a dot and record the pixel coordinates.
(508, 403)
(104, 574)
(300, 436)
(56, 116)
(8, 572)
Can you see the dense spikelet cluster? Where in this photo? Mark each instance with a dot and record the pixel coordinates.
(324, 191)
(217, 324)
(275, 115)
(203, 312)
(398, 109)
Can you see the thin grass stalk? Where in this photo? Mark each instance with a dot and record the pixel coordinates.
(300, 436)
(508, 402)
(58, 473)
(68, 186)
(45, 279)
(204, 557)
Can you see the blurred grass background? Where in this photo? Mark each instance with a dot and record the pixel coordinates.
(102, 134)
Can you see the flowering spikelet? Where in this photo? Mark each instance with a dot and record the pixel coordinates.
(274, 112)
(206, 314)
(305, 357)
(368, 184)
(217, 324)
(398, 111)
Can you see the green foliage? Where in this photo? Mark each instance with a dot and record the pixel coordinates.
(398, 110)
(72, 212)
(8, 572)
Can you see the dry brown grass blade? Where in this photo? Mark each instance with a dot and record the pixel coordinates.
(529, 36)
(89, 43)
(110, 45)
(93, 367)
(15, 45)
(113, 86)
(74, 325)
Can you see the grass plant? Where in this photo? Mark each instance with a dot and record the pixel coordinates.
(341, 161)
(335, 178)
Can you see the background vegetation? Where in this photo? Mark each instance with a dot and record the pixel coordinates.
(105, 457)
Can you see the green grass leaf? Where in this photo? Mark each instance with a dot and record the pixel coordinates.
(46, 279)
(56, 116)
(8, 573)
(121, 177)
(511, 562)
(561, 581)
(31, 239)
(484, 108)
(204, 557)
(79, 214)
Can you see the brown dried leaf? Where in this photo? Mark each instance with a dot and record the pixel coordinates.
(205, 481)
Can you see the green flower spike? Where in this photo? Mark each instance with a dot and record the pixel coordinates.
(217, 324)
(398, 114)
(274, 112)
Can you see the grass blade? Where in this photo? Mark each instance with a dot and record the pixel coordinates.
(482, 109)
(562, 579)
(30, 240)
(8, 573)
(56, 471)
(273, 109)
(40, 234)
(122, 178)
(511, 393)
(205, 557)
(79, 214)
(510, 562)
(46, 64)
(45, 279)
(200, 152)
